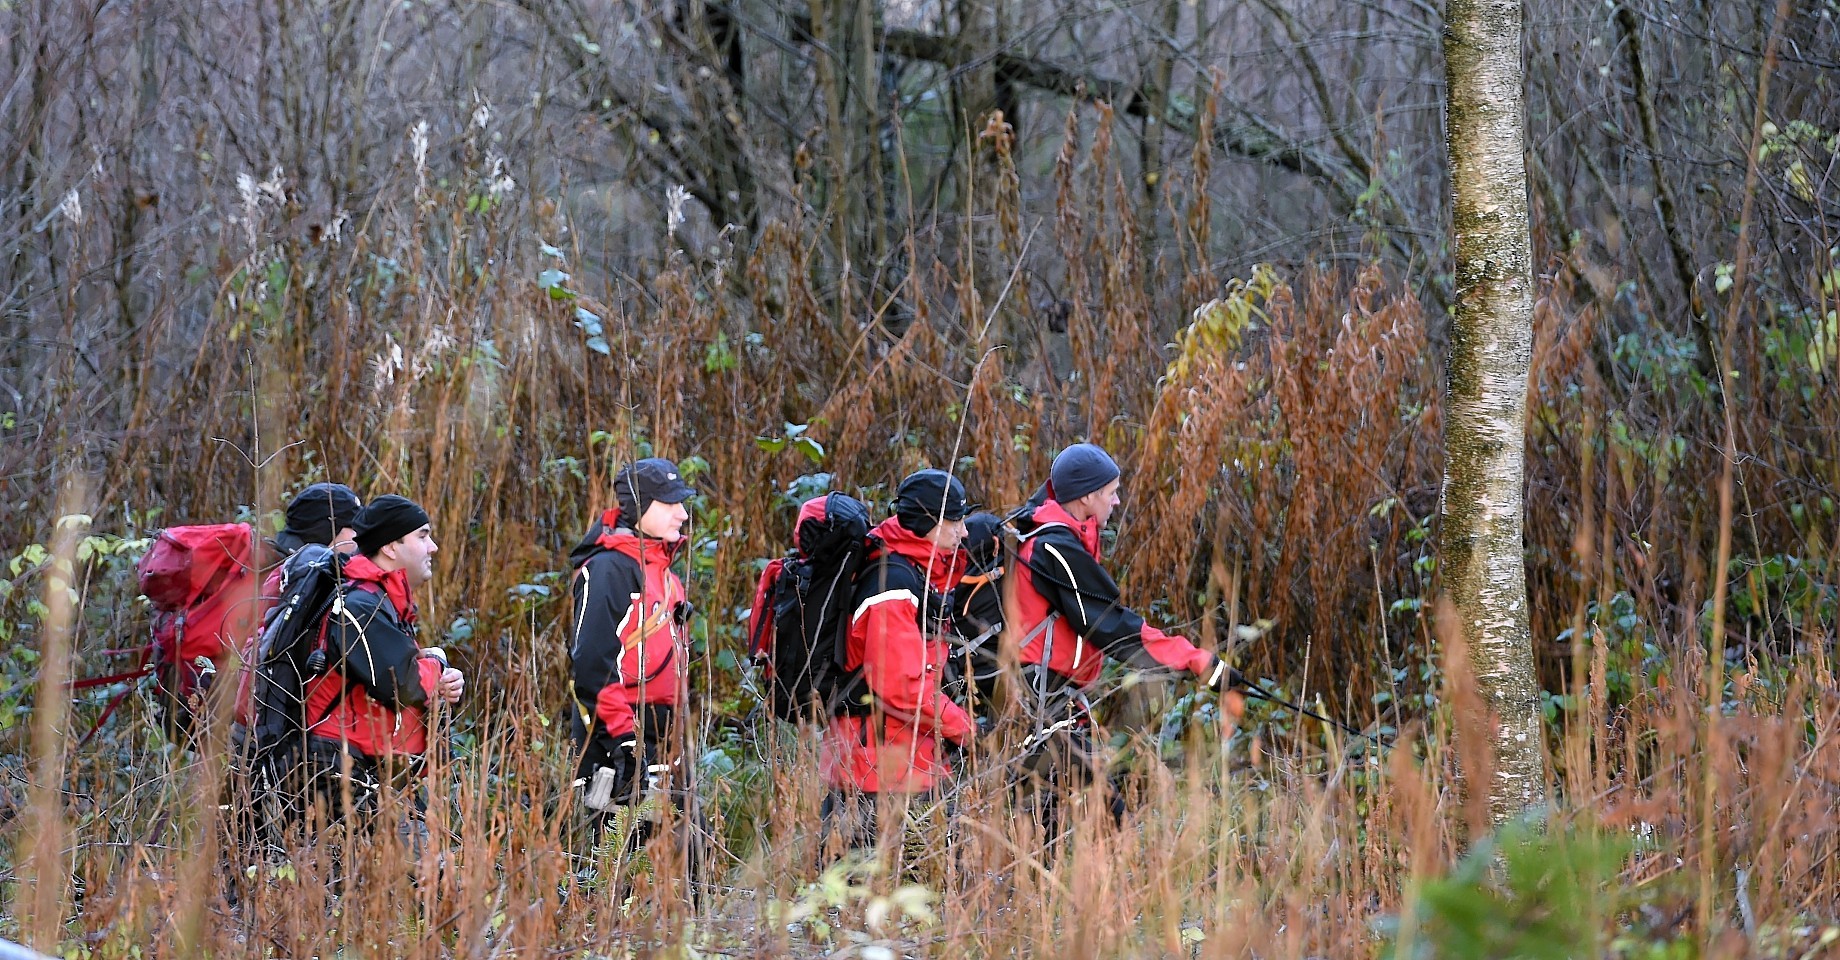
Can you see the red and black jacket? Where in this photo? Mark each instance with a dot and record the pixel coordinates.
(628, 643)
(1059, 577)
(897, 644)
(375, 693)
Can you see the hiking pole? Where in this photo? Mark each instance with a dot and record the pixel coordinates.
(1260, 693)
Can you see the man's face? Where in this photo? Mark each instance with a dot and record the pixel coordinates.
(414, 555)
(947, 535)
(1101, 502)
(664, 521)
(346, 542)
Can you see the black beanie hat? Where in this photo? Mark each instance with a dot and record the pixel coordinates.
(644, 482)
(316, 515)
(384, 521)
(1079, 470)
(927, 497)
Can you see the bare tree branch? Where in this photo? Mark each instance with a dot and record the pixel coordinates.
(1664, 192)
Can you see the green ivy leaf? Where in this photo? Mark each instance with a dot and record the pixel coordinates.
(812, 449)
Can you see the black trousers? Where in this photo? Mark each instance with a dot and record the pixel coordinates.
(849, 817)
(298, 792)
(659, 773)
(657, 737)
(322, 783)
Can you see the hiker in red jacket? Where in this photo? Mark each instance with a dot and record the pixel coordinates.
(894, 718)
(366, 713)
(628, 641)
(1069, 616)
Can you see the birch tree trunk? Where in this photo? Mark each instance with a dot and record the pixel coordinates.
(1491, 349)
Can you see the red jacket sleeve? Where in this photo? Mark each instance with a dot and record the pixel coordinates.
(430, 668)
(895, 666)
(1077, 588)
(1177, 652)
(614, 710)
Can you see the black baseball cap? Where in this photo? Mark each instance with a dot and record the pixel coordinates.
(652, 479)
(926, 497)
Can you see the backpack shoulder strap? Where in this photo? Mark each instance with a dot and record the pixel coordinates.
(338, 608)
(761, 614)
(1041, 529)
(883, 570)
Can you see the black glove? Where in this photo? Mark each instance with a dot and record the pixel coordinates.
(623, 757)
(1223, 677)
(609, 771)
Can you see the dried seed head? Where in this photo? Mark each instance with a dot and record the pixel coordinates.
(675, 198)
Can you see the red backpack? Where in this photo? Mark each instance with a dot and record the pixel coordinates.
(204, 583)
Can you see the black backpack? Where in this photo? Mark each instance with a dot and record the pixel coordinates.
(801, 617)
(977, 612)
(289, 651)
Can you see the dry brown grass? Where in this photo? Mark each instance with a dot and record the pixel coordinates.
(1266, 846)
(1286, 473)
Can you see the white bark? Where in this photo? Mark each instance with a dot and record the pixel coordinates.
(1491, 349)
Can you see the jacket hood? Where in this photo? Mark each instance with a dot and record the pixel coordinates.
(589, 546)
(395, 583)
(942, 567)
(1022, 518)
(1052, 513)
(601, 538)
